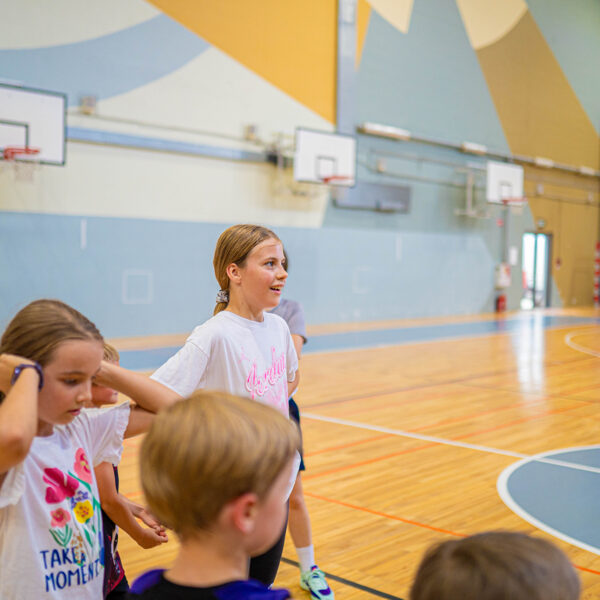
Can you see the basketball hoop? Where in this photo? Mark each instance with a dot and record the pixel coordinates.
(12, 152)
(341, 180)
(24, 161)
(515, 204)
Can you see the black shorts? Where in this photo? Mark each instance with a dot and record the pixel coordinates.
(295, 415)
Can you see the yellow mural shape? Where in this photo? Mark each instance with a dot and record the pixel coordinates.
(487, 21)
(539, 111)
(290, 44)
(363, 15)
(395, 12)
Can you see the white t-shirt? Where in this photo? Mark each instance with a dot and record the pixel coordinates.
(50, 518)
(235, 355)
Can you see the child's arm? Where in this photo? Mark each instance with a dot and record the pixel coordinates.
(116, 506)
(298, 343)
(292, 385)
(18, 412)
(139, 512)
(150, 395)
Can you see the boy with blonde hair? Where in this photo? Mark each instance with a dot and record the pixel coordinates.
(217, 469)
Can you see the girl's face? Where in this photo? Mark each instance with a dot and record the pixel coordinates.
(67, 383)
(262, 278)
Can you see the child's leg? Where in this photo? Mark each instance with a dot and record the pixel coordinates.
(311, 577)
(264, 567)
(299, 521)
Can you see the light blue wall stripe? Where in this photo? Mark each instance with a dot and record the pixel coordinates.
(152, 358)
(96, 136)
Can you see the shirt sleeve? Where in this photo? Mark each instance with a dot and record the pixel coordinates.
(291, 358)
(296, 321)
(183, 371)
(13, 486)
(106, 428)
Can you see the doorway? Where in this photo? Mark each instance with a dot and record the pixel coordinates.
(535, 254)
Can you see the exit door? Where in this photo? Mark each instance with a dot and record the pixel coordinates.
(536, 270)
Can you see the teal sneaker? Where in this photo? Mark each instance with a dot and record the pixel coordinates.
(314, 581)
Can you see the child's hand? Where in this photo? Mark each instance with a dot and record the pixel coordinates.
(8, 362)
(149, 519)
(149, 538)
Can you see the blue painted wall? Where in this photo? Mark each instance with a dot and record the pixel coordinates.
(338, 275)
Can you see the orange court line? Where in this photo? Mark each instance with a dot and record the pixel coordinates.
(369, 461)
(349, 445)
(469, 381)
(471, 416)
(409, 521)
(517, 422)
(382, 514)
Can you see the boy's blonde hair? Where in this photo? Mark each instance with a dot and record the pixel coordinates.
(111, 354)
(495, 565)
(233, 246)
(207, 450)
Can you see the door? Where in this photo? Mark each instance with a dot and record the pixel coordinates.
(536, 270)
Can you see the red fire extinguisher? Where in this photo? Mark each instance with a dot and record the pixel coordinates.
(501, 303)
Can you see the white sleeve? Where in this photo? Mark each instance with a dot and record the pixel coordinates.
(13, 486)
(183, 371)
(291, 358)
(106, 428)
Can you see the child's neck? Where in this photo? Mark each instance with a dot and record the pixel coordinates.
(206, 563)
(243, 309)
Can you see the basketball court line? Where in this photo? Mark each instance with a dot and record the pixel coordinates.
(448, 442)
(505, 495)
(569, 342)
(150, 359)
(410, 450)
(347, 582)
(446, 531)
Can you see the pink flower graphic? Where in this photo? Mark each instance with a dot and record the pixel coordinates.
(82, 466)
(60, 517)
(61, 486)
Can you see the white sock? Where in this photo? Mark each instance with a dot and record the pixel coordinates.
(306, 557)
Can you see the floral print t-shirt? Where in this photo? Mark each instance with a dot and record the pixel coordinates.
(50, 518)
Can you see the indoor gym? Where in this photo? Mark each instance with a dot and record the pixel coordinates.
(448, 269)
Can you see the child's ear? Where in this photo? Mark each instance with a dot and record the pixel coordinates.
(233, 272)
(243, 512)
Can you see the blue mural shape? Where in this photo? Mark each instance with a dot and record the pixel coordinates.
(431, 76)
(108, 65)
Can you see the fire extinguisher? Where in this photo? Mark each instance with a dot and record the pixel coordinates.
(501, 303)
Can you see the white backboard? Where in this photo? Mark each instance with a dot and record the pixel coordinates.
(320, 155)
(33, 118)
(504, 180)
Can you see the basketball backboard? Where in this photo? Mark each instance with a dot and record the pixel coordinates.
(32, 118)
(504, 182)
(323, 157)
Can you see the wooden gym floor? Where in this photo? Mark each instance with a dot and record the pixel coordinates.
(405, 443)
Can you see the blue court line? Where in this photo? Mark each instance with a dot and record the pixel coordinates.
(152, 358)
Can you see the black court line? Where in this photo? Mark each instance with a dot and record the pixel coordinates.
(353, 584)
